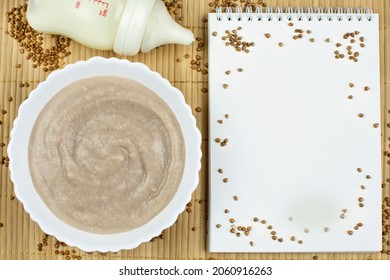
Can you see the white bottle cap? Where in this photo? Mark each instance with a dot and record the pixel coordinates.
(162, 29)
(145, 25)
(132, 26)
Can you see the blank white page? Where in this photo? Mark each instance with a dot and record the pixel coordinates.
(303, 148)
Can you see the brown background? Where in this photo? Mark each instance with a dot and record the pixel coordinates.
(186, 239)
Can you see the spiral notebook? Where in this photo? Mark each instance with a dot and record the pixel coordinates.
(295, 132)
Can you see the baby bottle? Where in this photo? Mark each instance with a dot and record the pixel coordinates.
(125, 26)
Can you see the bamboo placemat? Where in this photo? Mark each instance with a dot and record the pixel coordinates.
(21, 238)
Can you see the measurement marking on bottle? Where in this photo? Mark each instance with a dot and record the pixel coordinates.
(100, 2)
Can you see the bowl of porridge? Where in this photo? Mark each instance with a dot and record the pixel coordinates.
(104, 154)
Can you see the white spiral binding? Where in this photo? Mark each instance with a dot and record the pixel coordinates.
(279, 13)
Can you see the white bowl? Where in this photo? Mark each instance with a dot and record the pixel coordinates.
(19, 164)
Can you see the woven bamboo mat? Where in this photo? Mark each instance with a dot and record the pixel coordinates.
(186, 239)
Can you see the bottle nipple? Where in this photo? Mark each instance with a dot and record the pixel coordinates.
(162, 29)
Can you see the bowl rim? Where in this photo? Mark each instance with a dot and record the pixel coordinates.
(30, 109)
